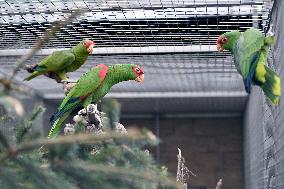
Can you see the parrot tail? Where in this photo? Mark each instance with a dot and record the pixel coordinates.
(56, 125)
(59, 117)
(272, 85)
(35, 71)
(33, 75)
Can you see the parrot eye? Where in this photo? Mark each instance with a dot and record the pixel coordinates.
(137, 70)
(224, 40)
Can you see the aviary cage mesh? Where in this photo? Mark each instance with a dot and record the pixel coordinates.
(174, 41)
(147, 32)
(264, 123)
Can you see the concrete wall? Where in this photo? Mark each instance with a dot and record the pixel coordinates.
(212, 147)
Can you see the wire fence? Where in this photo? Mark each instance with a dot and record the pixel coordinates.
(178, 33)
(113, 23)
(263, 129)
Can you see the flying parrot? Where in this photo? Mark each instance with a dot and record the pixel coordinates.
(250, 51)
(91, 87)
(59, 63)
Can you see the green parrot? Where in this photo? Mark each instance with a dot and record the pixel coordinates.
(250, 51)
(59, 63)
(91, 87)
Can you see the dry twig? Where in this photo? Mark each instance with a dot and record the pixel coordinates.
(219, 184)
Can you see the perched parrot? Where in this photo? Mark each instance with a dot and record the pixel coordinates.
(250, 51)
(59, 63)
(91, 87)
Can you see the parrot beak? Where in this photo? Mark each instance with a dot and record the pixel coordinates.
(219, 44)
(90, 49)
(219, 47)
(140, 78)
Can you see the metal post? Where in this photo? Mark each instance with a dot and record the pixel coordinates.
(158, 135)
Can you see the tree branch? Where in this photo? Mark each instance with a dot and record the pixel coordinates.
(133, 134)
(121, 172)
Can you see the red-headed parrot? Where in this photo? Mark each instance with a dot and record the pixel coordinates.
(250, 51)
(91, 87)
(59, 63)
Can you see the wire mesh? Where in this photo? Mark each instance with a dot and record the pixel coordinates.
(113, 23)
(138, 23)
(264, 133)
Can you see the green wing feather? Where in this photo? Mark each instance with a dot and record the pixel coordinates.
(247, 51)
(87, 83)
(250, 56)
(58, 60)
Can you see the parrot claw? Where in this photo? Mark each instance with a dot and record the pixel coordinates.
(67, 86)
(68, 81)
(270, 33)
(30, 67)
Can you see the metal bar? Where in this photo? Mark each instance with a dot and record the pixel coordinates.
(233, 94)
(181, 115)
(158, 150)
(123, 50)
(109, 8)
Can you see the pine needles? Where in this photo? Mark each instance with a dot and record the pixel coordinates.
(70, 162)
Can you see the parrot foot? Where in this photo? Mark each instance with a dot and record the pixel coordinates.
(67, 87)
(270, 31)
(68, 81)
(54, 76)
(30, 67)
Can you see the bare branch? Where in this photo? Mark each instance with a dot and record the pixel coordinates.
(219, 184)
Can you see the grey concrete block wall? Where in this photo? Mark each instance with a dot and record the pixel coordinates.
(212, 147)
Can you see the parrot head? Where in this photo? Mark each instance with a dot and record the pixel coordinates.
(139, 73)
(227, 40)
(89, 45)
(126, 72)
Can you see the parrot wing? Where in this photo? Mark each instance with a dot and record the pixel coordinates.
(58, 60)
(247, 51)
(84, 87)
(87, 83)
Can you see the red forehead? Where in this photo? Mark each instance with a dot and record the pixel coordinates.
(140, 72)
(219, 40)
(89, 42)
